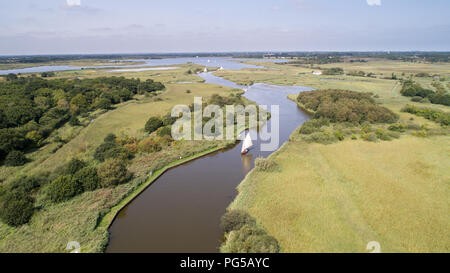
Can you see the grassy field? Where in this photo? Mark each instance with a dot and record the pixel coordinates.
(78, 219)
(339, 197)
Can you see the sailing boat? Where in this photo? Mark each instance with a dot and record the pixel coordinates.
(247, 144)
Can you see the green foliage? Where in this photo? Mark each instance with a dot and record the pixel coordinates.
(74, 166)
(113, 172)
(266, 165)
(15, 158)
(339, 135)
(149, 146)
(63, 188)
(152, 124)
(16, 208)
(434, 115)
(243, 235)
(398, 127)
(165, 131)
(313, 125)
(345, 106)
(320, 137)
(46, 104)
(100, 153)
(333, 71)
(110, 138)
(412, 89)
(88, 178)
(235, 219)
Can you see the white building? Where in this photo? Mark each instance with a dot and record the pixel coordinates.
(317, 72)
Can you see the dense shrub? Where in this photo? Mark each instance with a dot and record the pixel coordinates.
(63, 188)
(15, 158)
(88, 178)
(101, 151)
(16, 208)
(28, 184)
(412, 89)
(149, 146)
(398, 127)
(152, 124)
(165, 131)
(113, 172)
(434, 115)
(313, 125)
(345, 106)
(333, 71)
(266, 165)
(74, 166)
(250, 239)
(235, 219)
(320, 137)
(110, 138)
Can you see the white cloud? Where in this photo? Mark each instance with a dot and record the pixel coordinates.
(73, 3)
(374, 2)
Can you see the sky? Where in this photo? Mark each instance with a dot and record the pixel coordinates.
(164, 26)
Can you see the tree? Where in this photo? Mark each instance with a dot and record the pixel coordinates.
(15, 158)
(149, 146)
(235, 219)
(79, 102)
(100, 151)
(74, 166)
(63, 188)
(16, 208)
(152, 124)
(113, 172)
(11, 77)
(88, 178)
(103, 103)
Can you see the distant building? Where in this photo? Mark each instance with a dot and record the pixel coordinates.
(317, 72)
(205, 70)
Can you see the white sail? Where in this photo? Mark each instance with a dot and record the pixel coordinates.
(247, 144)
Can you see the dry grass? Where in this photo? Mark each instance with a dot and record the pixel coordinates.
(338, 197)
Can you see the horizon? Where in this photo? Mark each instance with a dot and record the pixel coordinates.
(74, 27)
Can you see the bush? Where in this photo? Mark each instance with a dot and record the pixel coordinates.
(369, 137)
(118, 152)
(74, 166)
(313, 125)
(149, 146)
(28, 184)
(15, 158)
(382, 135)
(88, 178)
(153, 124)
(250, 239)
(165, 131)
(339, 135)
(113, 172)
(266, 165)
(320, 137)
(63, 188)
(101, 151)
(235, 219)
(434, 115)
(16, 208)
(110, 138)
(398, 127)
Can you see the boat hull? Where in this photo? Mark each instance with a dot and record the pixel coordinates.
(244, 151)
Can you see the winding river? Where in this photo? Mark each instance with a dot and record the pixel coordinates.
(181, 210)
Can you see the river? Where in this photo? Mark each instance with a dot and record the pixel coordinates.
(181, 210)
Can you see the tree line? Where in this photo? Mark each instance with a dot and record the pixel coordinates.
(31, 108)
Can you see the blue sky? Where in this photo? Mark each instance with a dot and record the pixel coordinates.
(141, 26)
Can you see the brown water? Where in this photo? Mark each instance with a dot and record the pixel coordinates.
(180, 212)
